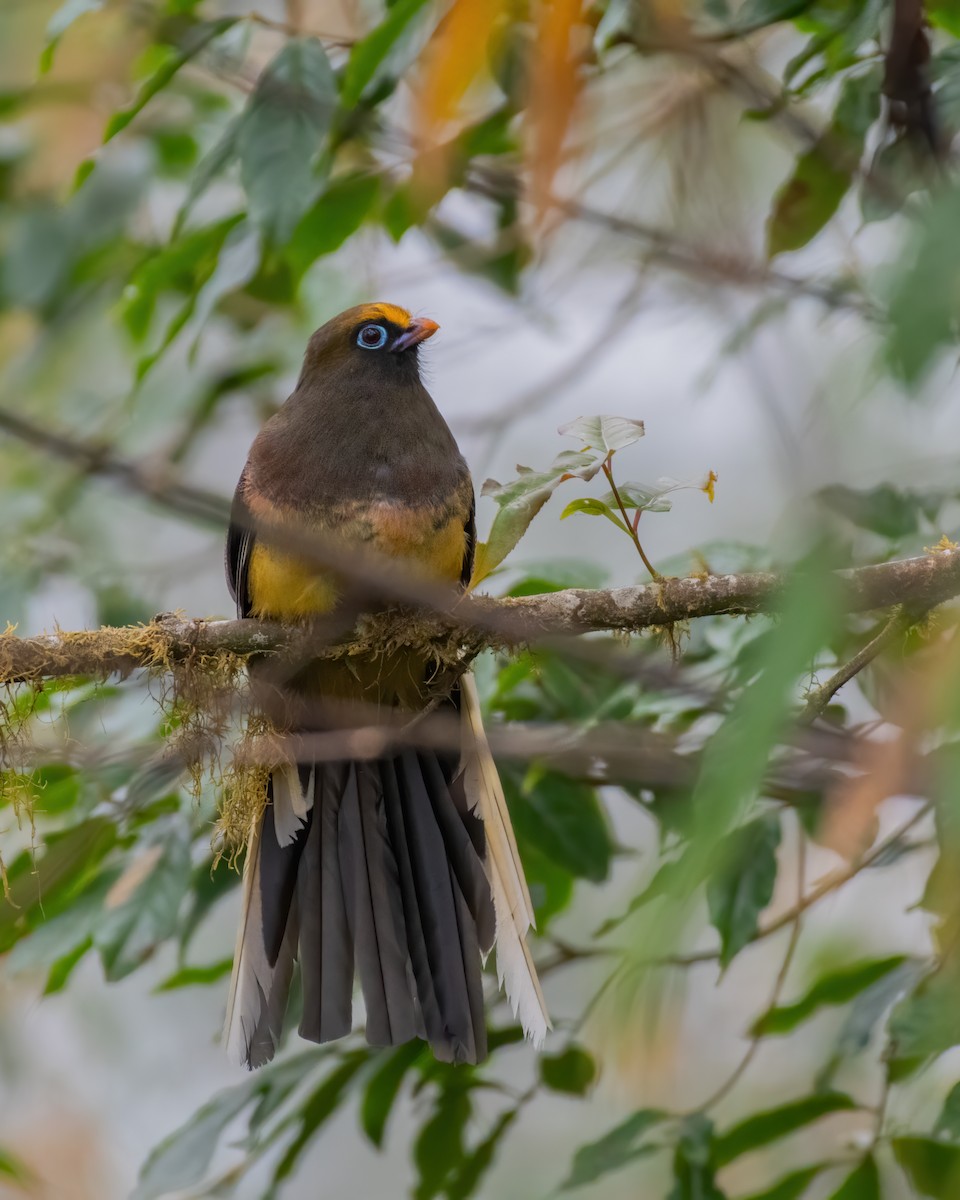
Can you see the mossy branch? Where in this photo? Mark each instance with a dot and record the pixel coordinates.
(465, 624)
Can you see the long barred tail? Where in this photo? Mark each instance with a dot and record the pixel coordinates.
(383, 869)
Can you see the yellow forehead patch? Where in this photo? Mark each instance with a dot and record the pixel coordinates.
(386, 312)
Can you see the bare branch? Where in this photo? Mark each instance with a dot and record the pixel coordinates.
(668, 249)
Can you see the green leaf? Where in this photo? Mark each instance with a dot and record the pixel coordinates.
(866, 1011)
(554, 575)
(606, 434)
(757, 14)
(945, 15)
(368, 55)
(318, 1107)
(57, 788)
(214, 162)
(593, 508)
(615, 1149)
(62, 969)
(438, 1151)
(618, 18)
(466, 1178)
(196, 39)
(60, 22)
(932, 1167)
(176, 150)
(383, 1089)
(182, 1159)
(924, 305)
(337, 215)
(647, 499)
(736, 757)
(278, 1082)
(898, 171)
(12, 1168)
(806, 202)
(927, 1022)
(54, 938)
(131, 931)
(563, 819)
(822, 176)
(765, 1127)
(208, 885)
(948, 1122)
(61, 873)
(742, 885)
(519, 501)
(192, 976)
(572, 1072)
(891, 512)
(863, 1183)
(236, 265)
(183, 266)
(838, 987)
(551, 886)
(281, 134)
(791, 1186)
(694, 1164)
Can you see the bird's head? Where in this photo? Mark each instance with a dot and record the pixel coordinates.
(370, 337)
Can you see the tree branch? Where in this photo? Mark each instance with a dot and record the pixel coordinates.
(820, 697)
(470, 624)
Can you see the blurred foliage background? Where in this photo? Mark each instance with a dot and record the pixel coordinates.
(735, 221)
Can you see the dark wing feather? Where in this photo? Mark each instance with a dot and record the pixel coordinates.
(466, 570)
(240, 539)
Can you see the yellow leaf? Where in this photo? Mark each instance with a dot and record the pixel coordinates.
(455, 58)
(710, 487)
(942, 546)
(452, 60)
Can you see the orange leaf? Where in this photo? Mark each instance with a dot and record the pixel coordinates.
(452, 60)
(555, 89)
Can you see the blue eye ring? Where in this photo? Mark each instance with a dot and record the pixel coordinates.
(372, 337)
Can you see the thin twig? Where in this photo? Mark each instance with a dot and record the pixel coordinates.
(669, 250)
(294, 28)
(829, 883)
(631, 527)
(882, 1104)
(820, 697)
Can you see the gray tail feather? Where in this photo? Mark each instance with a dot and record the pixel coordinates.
(384, 876)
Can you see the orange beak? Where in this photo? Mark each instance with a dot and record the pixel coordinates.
(419, 329)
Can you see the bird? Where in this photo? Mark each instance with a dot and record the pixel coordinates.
(403, 869)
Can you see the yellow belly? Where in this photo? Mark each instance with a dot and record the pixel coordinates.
(286, 588)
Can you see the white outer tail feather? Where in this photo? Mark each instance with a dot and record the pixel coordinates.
(511, 898)
(290, 805)
(250, 980)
